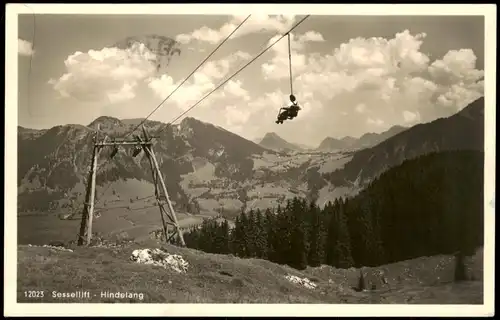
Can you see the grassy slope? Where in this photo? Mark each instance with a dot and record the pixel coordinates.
(42, 228)
(226, 279)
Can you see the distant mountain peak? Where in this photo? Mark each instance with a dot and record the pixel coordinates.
(105, 121)
(273, 141)
(365, 141)
(190, 120)
(25, 129)
(330, 144)
(396, 128)
(273, 135)
(348, 138)
(371, 139)
(190, 123)
(462, 131)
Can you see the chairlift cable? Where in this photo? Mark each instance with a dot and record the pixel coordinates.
(290, 64)
(216, 88)
(185, 79)
(189, 76)
(144, 120)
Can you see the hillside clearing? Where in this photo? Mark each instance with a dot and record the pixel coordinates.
(39, 228)
(213, 278)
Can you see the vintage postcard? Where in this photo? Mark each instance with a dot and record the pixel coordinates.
(251, 160)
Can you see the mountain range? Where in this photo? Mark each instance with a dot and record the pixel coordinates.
(273, 141)
(461, 131)
(365, 141)
(211, 171)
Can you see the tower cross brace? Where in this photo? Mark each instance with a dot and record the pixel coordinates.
(167, 212)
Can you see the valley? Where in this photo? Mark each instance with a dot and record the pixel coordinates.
(209, 172)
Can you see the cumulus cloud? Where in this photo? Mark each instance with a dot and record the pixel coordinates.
(360, 108)
(256, 23)
(460, 82)
(203, 81)
(419, 87)
(311, 36)
(236, 115)
(456, 66)
(391, 79)
(278, 66)
(361, 72)
(411, 117)
(366, 63)
(109, 74)
(235, 89)
(24, 48)
(364, 84)
(458, 96)
(375, 122)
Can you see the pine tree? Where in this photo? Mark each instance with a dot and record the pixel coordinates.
(299, 248)
(282, 239)
(261, 235)
(251, 234)
(238, 237)
(217, 237)
(203, 239)
(244, 241)
(223, 241)
(270, 224)
(343, 245)
(361, 282)
(298, 243)
(365, 240)
(460, 269)
(191, 238)
(332, 237)
(323, 234)
(315, 248)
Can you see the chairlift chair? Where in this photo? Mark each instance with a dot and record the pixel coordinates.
(290, 112)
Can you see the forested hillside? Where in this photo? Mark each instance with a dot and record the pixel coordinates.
(429, 205)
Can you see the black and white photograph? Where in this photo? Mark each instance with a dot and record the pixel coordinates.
(261, 159)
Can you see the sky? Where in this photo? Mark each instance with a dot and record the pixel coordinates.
(351, 74)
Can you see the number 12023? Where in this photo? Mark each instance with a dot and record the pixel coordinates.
(33, 294)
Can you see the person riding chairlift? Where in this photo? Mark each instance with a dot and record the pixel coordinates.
(289, 112)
